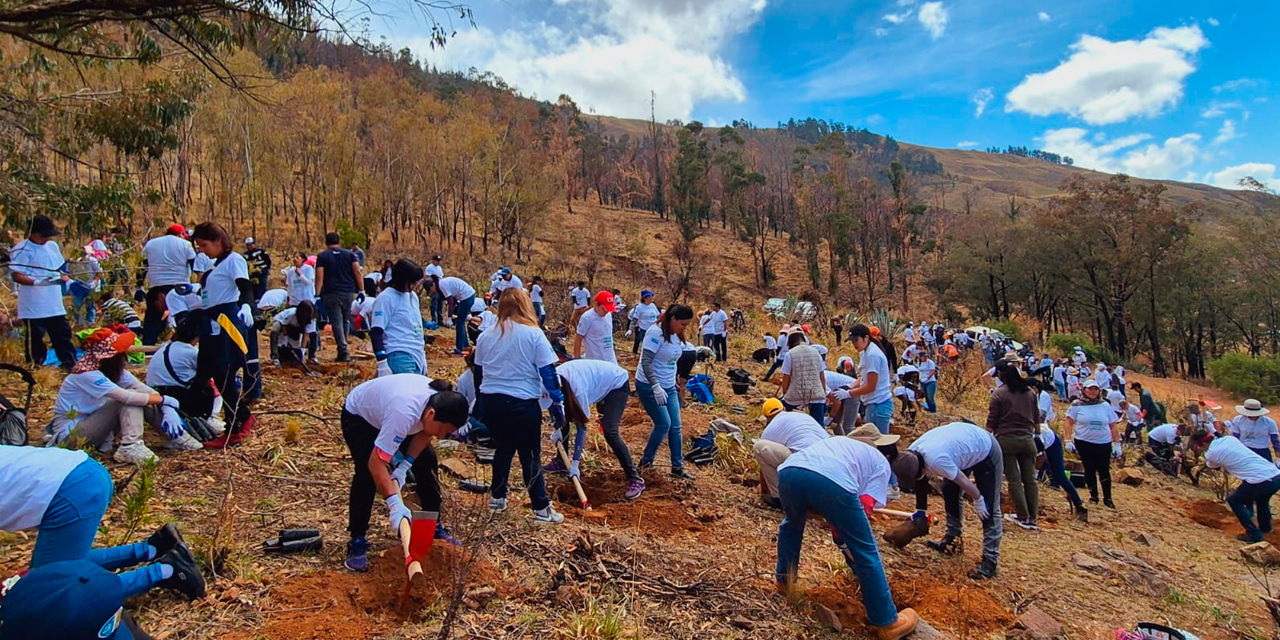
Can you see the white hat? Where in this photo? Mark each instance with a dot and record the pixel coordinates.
(907, 368)
(1078, 348)
(1252, 408)
(248, 240)
(821, 349)
(1091, 383)
(869, 434)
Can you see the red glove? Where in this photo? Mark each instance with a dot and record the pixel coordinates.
(868, 503)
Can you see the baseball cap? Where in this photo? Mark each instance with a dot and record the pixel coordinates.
(1091, 383)
(646, 294)
(436, 257)
(72, 599)
(504, 271)
(771, 407)
(178, 229)
(248, 240)
(605, 299)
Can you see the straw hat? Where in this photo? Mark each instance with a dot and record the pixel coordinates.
(1252, 408)
(869, 434)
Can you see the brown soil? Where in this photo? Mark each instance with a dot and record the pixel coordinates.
(1213, 514)
(950, 602)
(662, 511)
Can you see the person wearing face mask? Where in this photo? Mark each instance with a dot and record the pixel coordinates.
(1092, 431)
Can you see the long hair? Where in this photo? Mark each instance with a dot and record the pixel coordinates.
(516, 306)
(112, 367)
(213, 232)
(674, 312)
(1010, 375)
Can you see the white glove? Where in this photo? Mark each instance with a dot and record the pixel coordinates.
(398, 512)
(1116, 450)
(841, 394)
(660, 396)
(401, 472)
(170, 401)
(1071, 446)
(384, 368)
(628, 334)
(980, 508)
(556, 436)
(246, 315)
(574, 471)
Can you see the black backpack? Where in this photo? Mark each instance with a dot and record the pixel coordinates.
(13, 419)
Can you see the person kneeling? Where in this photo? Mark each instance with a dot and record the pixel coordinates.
(785, 433)
(1259, 480)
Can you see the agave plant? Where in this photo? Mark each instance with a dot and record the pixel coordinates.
(890, 326)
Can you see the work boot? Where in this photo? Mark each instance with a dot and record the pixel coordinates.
(947, 545)
(983, 571)
(165, 539)
(772, 502)
(186, 578)
(136, 453)
(901, 628)
(1108, 504)
(357, 555)
(1082, 514)
(547, 515)
(1244, 537)
(635, 487)
(444, 535)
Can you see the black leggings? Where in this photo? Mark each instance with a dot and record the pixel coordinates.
(515, 426)
(360, 436)
(1096, 459)
(220, 359)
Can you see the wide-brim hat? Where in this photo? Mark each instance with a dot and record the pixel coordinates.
(869, 434)
(1252, 408)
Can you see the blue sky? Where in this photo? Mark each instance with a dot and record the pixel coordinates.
(1173, 89)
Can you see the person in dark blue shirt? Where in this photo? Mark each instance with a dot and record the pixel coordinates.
(337, 273)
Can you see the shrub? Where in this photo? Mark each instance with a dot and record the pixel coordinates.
(1007, 327)
(1063, 344)
(1245, 375)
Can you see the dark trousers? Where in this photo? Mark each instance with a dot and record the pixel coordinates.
(1096, 459)
(988, 476)
(220, 360)
(192, 401)
(611, 409)
(1250, 497)
(259, 288)
(515, 426)
(437, 309)
(360, 436)
(153, 317)
(1265, 452)
(839, 335)
(338, 307)
(720, 343)
(59, 332)
(639, 337)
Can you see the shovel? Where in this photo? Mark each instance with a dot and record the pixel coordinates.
(416, 538)
(564, 458)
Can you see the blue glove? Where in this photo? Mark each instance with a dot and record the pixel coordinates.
(558, 419)
(398, 511)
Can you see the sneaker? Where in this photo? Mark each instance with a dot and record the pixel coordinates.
(1108, 504)
(645, 466)
(1244, 537)
(484, 455)
(892, 494)
(357, 555)
(1029, 525)
(312, 361)
(497, 505)
(184, 442)
(547, 516)
(186, 578)
(165, 539)
(682, 473)
(634, 489)
(216, 425)
(457, 352)
(136, 453)
(107, 447)
(555, 466)
(275, 362)
(1012, 517)
(1082, 514)
(901, 628)
(444, 535)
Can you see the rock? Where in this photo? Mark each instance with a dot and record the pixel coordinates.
(1130, 476)
(1147, 539)
(569, 596)
(742, 623)
(457, 467)
(1089, 563)
(447, 446)
(1134, 572)
(623, 542)
(1261, 553)
(476, 599)
(1035, 624)
(1073, 465)
(827, 618)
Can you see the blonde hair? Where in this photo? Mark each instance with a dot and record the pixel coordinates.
(516, 306)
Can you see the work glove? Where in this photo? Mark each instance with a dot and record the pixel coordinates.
(1117, 451)
(1070, 446)
(841, 394)
(556, 435)
(558, 419)
(660, 396)
(246, 315)
(980, 508)
(384, 368)
(574, 470)
(401, 472)
(139, 295)
(170, 401)
(628, 334)
(395, 505)
(171, 422)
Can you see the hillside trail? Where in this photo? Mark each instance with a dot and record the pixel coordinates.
(1176, 393)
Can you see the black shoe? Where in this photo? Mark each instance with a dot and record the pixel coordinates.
(772, 502)
(1108, 504)
(682, 473)
(983, 572)
(1244, 537)
(1093, 499)
(186, 578)
(947, 545)
(1082, 514)
(165, 539)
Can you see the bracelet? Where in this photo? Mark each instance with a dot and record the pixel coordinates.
(409, 459)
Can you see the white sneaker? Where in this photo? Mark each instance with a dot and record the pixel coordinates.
(892, 494)
(184, 442)
(497, 505)
(136, 453)
(108, 446)
(547, 516)
(217, 426)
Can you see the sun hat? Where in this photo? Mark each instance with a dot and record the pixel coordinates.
(771, 407)
(1091, 383)
(605, 299)
(869, 434)
(1252, 408)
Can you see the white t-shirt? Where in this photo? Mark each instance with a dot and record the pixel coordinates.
(31, 477)
(665, 355)
(363, 307)
(1045, 403)
(487, 320)
(951, 448)
(535, 294)
(399, 315)
(1166, 433)
(646, 315)
(856, 467)
(511, 360)
(704, 323)
(43, 301)
(1255, 433)
(433, 270)
(1230, 455)
(580, 297)
(1103, 378)
(1114, 397)
(904, 392)
(290, 316)
(838, 380)
(928, 370)
(991, 373)
(169, 260)
(201, 264)
(456, 288)
(592, 380)
(273, 298)
(1092, 422)
(1047, 436)
(720, 322)
(909, 335)
(1060, 374)
(220, 285)
(177, 303)
(183, 358)
(874, 361)
(597, 336)
(1133, 415)
(770, 343)
(1118, 374)
(466, 385)
(478, 307)
(394, 405)
(84, 393)
(502, 285)
(301, 283)
(794, 430)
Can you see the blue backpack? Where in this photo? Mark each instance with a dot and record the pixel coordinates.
(699, 386)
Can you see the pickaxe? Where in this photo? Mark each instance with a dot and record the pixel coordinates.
(416, 538)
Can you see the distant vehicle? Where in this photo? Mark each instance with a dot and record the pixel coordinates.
(976, 331)
(777, 307)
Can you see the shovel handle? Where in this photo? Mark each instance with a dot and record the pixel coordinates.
(413, 567)
(577, 486)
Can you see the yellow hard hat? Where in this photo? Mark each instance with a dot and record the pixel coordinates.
(772, 407)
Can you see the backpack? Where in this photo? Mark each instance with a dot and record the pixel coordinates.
(13, 418)
(704, 449)
(699, 387)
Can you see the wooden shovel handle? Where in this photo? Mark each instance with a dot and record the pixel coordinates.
(577, 486)
(413, 567)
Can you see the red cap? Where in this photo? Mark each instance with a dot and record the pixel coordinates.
(605, 299)
(178, 229)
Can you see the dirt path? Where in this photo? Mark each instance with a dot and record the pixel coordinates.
(1176, 393)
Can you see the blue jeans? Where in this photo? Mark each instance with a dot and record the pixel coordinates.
(1244, 500)
(402, 362)
(773, 367)
(71, 522)
(666, 424)
(540, 311)
(460, 315)
(437, 309)
(930, 391)
(879, 414)
(801, 490)
(1058, 472)
(1061, 388)
(818, 410)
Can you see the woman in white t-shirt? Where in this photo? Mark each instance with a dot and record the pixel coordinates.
(1047, 440)
(874, 382)
(1092, 432)
(226, 292)
(643, 316)
(928, 367)
(535, 295)
(608, 387)
(292, 329)
(656, 386)
(100, 398)
(461, 295)
(396, 329)
(300, 280)
(513, 365)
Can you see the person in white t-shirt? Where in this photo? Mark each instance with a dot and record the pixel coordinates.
(642, 316)
(656, 386)
(843, 407)
(909, 334)
(171, 370)
(928, 367)
(291, 333)
(1092, 432)
(785, 433)
(1132, 417)
(539, 307)
(607, 386)
(719, 332)
(953, 452)
(1255, 429)
(874, 381)
(1259, 480)
(168, 260)
(595, 331)
(488, 317)
(388, 424)
(1161, 443)
(36, 265)
(300, 280)
(434, 271)
(505, 280)
(462, 296)
(396, 330)
(513, 365)
(581, 297)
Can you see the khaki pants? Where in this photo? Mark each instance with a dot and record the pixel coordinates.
(126, 420)
(769, 455)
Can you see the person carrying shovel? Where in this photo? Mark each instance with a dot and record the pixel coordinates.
(606, 385)
(388, 423)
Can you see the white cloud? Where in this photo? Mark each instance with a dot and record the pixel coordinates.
(934, 17)
(1044, 17)
(1104, 82)
(897, 18)
(875, 120)
(1227, 133)
(966, 144)
(1159, 160)
(1213, 22)
(881, 32)
(1217, 109)
(1229, 178)
(980, 99)
(1236, 85)
(608, 54)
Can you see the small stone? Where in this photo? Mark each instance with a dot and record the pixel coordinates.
(827, 618)
(1035, 624)
(476, 599)
(1089, 563)
(1261, 553)
(1147, 539)
(1129, 476)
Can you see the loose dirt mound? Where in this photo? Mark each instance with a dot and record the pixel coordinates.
(663, 510)
(949, 602)
(1214, 515)
(341, 604)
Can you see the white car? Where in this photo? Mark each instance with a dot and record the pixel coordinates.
(803, 311)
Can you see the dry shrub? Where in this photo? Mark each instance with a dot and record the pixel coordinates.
(960, 382)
